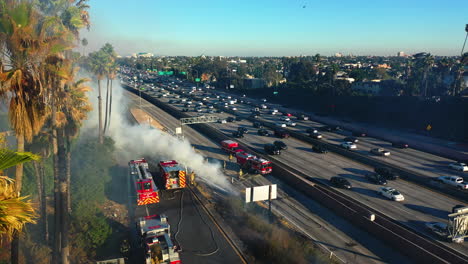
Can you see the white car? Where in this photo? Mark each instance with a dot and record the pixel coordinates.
(281, 125)
(234, 109)
(274, 113)
(380, 152)
(264, 106)
(459, 166)
(222, 121)
(290, 123)
(348, 145)
(455, 181)
(274, 110)
(285, 118)
(391, 194)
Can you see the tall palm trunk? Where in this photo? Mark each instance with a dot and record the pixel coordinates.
(44, 200)
(57, 213)
(63, 195)
(101, 136)
(107, 106)
(110, 104)
(68, 160)
(19, 182)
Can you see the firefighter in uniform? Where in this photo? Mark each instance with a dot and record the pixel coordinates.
(125, 249)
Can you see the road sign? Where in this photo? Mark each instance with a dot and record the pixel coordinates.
(261, 193)
(161, 73)
(169, 73)
(183, 73)
(197, 79)
(178, 130)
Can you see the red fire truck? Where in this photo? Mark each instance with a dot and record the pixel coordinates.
(257, 165)
(230, 146)
(242, 157)
(147, 192)
(173, 176)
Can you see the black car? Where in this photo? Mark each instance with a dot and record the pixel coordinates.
(271, 149)
(254, 116)
(238, 118)
(185, 110)
(316, 135)
(400, 144)
(387, 173)
(376, 178)
(238, 134)
(230, 119)
(351, 139)
(280, 144)
(340, 182)
(319, 149)
(281, 133)
(243, 130)
(326, 128)
(257, 125)
(302, 117)
(311, 130)
(359, 134)
(263, 132)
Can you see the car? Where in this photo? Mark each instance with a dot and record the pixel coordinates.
(273, 113)
(320, 149)
(316, 135)
(211, 111)
(280, 144)
(238, 118)
(400, 144)
(238, 134)
(437, 228)
(359, 134)
(380, 152)
(263, 132)
(230, 119)
(222, 121)
(387, 173)
(234, 108)
(287, 114)
(243, 130)
(340, 182)
(280, 125)
(460, 166)
(263, 106)
(185, 110)
(348, 145)
(351, 139)
(311, 130)
(285, 118)
(303, 117)
(263, 100)
(271, 149)
(291, 123)
(391, 194)
(376, 178)
(257, 125)
(454, 181)
(326, 128)
(198, 110)
(255, 116)
(281, 133)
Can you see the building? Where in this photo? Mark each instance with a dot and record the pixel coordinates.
(254, 83)
(338, 55)
(401, 54)
(378, 87)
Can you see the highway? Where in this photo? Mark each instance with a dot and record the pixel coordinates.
(318, 223)
(421, 204)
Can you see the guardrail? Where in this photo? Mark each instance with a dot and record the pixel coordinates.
(416, 246)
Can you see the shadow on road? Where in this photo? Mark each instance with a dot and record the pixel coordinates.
(429, 210)
(353, 177)
(305, 149)
(368, 192)
(357, 171)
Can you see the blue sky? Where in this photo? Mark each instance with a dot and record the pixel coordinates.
(278, 27)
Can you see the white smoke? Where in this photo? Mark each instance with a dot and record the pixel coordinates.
(134, 141)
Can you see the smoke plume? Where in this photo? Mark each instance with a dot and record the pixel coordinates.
(135, 141)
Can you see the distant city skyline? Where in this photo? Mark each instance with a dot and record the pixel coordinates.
(277, 27)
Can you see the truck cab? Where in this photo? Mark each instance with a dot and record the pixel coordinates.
(230, 146)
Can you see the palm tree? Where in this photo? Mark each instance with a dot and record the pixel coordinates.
(84, 43)
(98, 67)
(15, 210)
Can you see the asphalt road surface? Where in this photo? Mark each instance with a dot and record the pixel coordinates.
(421, 204)
(318, 223)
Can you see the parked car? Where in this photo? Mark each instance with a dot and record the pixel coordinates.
(387, 173)
(263, 132)
(280, 144)
(257, 125)
(391, 194)
(340, 182)
(320, 149)
(376, 178)
(351, 139)
(230, 119)
(460, 166)
(281, 133)
(380, 152)
(316, 135)
(348, 145)
(400, 144)
(271, 149)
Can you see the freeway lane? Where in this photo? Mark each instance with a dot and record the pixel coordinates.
(421, 205)
(335, 233)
